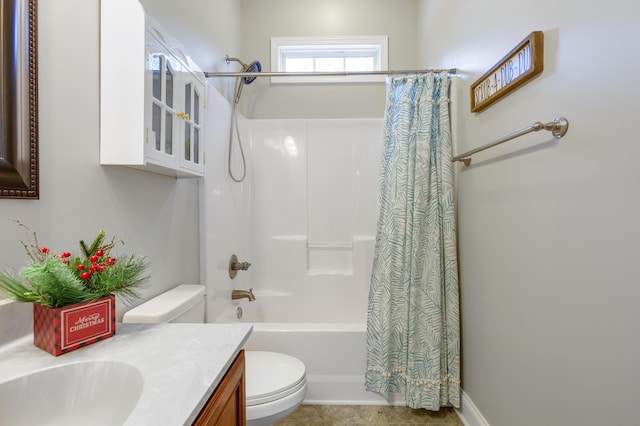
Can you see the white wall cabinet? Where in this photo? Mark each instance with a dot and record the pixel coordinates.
(174, 107)
(152, 96)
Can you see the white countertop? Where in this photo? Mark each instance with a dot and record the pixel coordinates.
(181, 364)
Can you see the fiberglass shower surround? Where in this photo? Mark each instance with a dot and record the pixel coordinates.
(313, 214)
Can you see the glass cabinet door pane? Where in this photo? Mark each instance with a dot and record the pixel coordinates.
(196, 145)
(196, 107)
(168, 136)
(187, 141)
(169, 87)
(187, 99)
(156, 68)
(156, 118)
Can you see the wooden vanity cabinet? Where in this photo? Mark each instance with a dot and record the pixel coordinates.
(227, 405)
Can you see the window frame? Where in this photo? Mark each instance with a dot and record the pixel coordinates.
(280, 44)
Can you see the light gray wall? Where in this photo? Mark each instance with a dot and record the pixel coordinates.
(262, 20)
(548, 230)
(156, 216)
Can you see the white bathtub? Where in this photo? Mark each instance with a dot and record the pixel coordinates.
(334, 355)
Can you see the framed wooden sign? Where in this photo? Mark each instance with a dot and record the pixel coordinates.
(517, 67)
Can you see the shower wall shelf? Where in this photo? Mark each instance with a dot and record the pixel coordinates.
(152, 95)
(557, 127)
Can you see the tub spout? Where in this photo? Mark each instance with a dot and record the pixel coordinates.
(243, 294)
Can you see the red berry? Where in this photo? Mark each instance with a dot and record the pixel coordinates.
(44, 250)
(111, 261)
(85, 275)
(80, 266)
(93, 259)
(66, 254)
(101, 268)
(99, 253)
(93, 267)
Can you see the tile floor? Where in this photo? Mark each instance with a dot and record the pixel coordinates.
(334, 415)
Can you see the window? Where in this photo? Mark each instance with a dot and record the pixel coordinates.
(329, 54)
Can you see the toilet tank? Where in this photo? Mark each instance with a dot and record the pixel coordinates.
(184, 303)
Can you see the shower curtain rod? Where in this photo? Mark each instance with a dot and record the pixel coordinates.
(558, 127)
(321, 74)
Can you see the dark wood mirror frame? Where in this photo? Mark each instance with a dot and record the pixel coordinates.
(19, 97)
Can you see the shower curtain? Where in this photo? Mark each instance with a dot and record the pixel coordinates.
(413, 336)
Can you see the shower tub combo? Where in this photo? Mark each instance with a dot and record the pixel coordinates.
(308, 232)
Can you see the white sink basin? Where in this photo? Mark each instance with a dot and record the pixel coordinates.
(85, 393)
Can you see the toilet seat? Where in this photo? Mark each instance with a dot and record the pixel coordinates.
(272, 376)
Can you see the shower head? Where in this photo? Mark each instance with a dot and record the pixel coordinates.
(254, 66)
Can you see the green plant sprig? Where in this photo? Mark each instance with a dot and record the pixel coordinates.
(58, 280)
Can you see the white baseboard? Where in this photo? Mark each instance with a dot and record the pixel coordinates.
(469, 413)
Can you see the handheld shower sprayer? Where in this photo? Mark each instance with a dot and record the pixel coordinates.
(254, 66)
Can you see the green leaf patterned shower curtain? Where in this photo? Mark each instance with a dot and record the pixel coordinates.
(413, 316)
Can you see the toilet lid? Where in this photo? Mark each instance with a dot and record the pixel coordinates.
(271, 376)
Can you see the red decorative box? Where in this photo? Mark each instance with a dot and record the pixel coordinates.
(61, 330)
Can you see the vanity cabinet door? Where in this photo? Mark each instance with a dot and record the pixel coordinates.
(227, 405)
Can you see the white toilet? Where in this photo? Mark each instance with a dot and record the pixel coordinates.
(276, 383)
